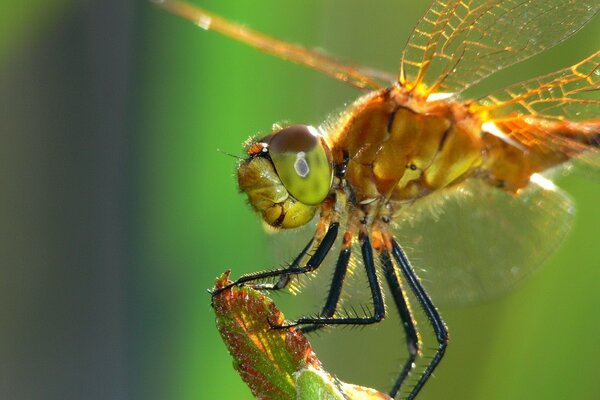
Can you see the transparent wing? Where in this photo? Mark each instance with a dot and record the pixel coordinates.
(572, 93)
(558, 113)
(365, 78)
(475, 242)
(459, 42)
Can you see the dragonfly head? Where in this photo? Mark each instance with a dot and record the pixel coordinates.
(287, 175)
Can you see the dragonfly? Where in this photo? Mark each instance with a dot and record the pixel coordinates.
(413, 159)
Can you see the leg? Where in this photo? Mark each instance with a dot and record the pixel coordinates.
(438, 325)
(313, 263)
(284, 279)
(412, 337)
(378, 305)
(335, 290)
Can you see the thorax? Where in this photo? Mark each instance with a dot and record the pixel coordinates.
(394, 147)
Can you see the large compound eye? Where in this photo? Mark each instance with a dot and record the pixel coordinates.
(302, 163)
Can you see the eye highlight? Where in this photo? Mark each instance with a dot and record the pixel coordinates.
(302, 163)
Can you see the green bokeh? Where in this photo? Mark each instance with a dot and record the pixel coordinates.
(200, 92)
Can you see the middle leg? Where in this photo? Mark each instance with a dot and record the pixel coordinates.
(337, 283)
(376, 295)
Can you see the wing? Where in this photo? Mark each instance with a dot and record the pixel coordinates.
(475, 242)
(572, 94)
(457, 43)
(559, 112)
(365, 78)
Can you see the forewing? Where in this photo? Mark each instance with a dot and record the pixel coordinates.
(475, 242)
(457, 43)
(359, 77)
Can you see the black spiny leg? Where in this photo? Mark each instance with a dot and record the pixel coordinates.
(438, 325)
(378, 305)
(412, 337)
(284, 279)
(313, 263)
(335, 290)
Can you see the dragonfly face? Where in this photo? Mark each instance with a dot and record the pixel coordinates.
(287, 175)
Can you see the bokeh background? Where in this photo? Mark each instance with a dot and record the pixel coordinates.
(117, 211)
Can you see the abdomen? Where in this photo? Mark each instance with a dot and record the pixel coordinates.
(534, 145)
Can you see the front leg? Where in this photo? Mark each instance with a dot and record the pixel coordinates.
(294, 269)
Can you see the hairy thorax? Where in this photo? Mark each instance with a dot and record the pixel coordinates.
(397, 148)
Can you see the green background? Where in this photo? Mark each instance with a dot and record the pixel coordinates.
(120, 211)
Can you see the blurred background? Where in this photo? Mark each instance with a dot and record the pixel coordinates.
(118, 211)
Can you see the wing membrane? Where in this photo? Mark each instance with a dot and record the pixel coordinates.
(572, 94)
(360, 78)
(475, 242)
(457, 43)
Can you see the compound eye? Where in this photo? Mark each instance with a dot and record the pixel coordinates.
(301, 160)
